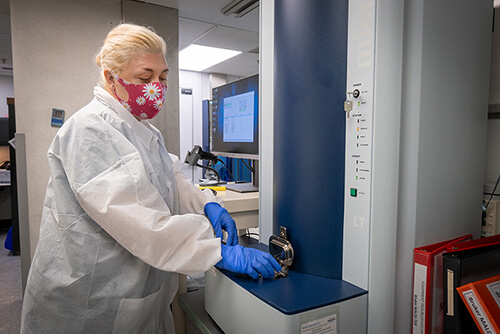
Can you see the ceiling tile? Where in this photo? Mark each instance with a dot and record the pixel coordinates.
(164, 3)
(225, 68)
(244, 59)
(211, 11)
(205, 11)
(231, 38)
(189, 29)
(183, 45)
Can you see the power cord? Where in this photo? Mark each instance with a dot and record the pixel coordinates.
(227, 169)
(212, 169)
(247, 166)
(492, 193)
(248, 233)
(5, 164)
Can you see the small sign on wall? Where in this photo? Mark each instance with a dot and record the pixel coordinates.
(57, 117)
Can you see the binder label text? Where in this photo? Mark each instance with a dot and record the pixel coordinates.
(419, 283)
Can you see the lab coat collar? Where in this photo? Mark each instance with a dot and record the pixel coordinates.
(140, 128)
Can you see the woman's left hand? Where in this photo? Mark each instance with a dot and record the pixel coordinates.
(221, 220)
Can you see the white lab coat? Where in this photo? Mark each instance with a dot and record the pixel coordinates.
(119, 222)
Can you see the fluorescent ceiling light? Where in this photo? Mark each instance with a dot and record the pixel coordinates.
(199, 57)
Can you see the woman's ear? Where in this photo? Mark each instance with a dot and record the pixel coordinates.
(110, 78)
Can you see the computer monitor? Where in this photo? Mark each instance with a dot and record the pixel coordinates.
(235, 119)
(235, 124)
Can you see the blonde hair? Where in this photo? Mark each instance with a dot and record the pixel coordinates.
(124, 42)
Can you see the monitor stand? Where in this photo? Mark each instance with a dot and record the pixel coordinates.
(242, 187)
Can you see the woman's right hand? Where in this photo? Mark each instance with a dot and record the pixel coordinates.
(248, 261)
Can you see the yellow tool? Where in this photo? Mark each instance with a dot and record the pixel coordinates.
(216, 188)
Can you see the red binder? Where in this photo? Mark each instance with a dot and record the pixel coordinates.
(482, 299)
(477, 243)
(427, 307)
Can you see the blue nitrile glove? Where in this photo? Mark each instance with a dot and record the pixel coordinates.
(248, 261)
(221, 220)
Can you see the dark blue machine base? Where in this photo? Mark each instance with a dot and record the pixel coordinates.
(297, 293)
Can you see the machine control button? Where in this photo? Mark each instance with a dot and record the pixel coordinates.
(354, 192)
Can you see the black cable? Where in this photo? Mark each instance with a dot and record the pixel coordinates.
(493, 192)
(249, 167)
(248, 233)
(227, 169)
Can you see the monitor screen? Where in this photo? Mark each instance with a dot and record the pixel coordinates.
(235, 119)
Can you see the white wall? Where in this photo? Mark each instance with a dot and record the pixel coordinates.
(493, 153)
(6, 90)
(443, 130)
(493, 146)
(495, 60)
(190, 117)
(165, 21)
(54, 46)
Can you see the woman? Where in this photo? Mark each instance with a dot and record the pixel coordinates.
(120, 220)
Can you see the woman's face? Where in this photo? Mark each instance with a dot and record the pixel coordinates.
(143, 68)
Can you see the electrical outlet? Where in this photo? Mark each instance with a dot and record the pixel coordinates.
(490, 222)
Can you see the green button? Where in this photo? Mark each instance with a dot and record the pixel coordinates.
(354, 192)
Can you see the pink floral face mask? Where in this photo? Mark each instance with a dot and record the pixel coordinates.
(145, 100)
